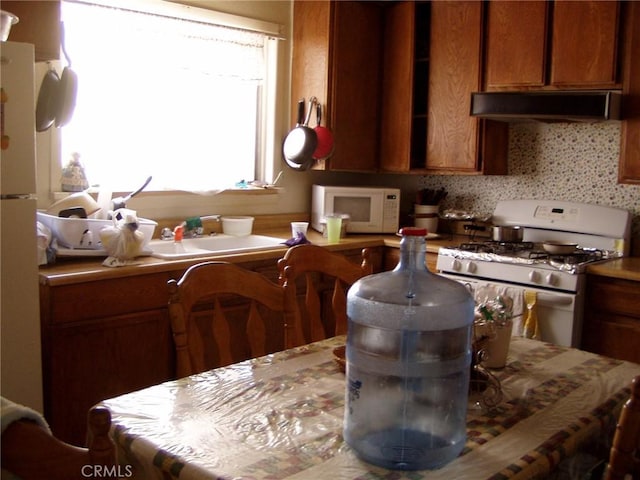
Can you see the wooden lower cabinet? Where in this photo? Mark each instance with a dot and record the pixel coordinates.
(104, 338)
(612, 318)
(101, 339)
(99, 359)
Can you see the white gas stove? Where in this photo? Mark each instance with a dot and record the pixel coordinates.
(601, 233)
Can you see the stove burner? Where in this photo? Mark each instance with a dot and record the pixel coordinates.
(574, 258)
(492, 246)
(530, 253)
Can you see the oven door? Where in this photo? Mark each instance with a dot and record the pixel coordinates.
(559, 313)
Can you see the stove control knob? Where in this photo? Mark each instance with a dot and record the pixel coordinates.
(551, 279)
(534, 276)
(471, 267)
(455, 265)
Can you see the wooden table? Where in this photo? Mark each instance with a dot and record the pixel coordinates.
(281, 416)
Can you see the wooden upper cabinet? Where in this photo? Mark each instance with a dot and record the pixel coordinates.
(516, 43)
(431, 65)
(629, 167)
(336, 58)
(39, 24)
(397, 87)
(552, 45)
(454, 72)
(584, 43)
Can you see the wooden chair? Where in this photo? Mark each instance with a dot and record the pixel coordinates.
(31, 453)
(624, 457)
(325, 273)
(221, 314)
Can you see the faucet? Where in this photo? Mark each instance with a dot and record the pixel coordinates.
(190, 228)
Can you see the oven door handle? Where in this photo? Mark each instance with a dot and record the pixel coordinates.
(557, 300)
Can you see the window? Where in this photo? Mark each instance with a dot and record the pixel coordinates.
(187, 101)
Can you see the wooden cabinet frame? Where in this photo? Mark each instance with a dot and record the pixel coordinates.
(106, 337)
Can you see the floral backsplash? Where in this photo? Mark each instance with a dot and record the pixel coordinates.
(561, 161)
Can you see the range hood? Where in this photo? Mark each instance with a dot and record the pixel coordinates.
(547, 106)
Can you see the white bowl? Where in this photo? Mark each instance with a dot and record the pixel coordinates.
(238, 226)
(78, 199)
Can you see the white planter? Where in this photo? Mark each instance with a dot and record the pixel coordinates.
(426, 216)
(497, 347)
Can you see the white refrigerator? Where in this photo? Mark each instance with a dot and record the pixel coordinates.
(20, 355)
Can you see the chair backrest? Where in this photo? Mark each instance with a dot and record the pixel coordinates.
(325, 277)
(32, 453)
(624, 457)
(221, 314)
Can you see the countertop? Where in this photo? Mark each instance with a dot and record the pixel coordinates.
(623, 268)
(71, 270)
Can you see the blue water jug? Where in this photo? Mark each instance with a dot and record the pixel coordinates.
(408, 363)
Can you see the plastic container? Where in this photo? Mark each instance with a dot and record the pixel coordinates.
(238, 226)
(343, 228)
(408, 363)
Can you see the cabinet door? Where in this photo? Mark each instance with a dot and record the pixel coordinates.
(454, 73)
(337, 58)
(584, 44)
(612, 318)
(629, 170)
(39, 24)
(354, 82)
(516, 44)
(310, 56)
(397, 95)
(92, 361)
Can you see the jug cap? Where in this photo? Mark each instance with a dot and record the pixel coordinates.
(413, 231)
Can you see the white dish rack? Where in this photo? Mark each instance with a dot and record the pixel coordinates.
(84, 233)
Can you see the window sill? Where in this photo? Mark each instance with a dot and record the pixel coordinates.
(229, 191)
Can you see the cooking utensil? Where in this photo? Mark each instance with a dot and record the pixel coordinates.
(120, 202)
(67, 90)
(301, 142)
(428, 196)
(57, 96)
(559, 248)
(325, 137)
(47, 105)
(299, 167)
(507, 233)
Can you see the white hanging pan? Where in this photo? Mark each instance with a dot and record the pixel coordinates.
(301, 142)
(57, 96)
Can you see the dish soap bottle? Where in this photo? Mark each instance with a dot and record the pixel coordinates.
(408, 363)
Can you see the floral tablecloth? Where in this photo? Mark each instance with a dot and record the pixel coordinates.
(280, 417)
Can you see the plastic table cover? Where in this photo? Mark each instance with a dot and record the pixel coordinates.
(281, 417)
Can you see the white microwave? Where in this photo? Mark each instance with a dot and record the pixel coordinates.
(370, 209)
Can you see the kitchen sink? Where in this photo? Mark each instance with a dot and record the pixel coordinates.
(213, 245)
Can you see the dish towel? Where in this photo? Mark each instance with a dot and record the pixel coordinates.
(531, 328)
(517, 296)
